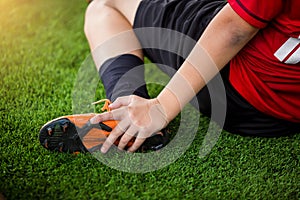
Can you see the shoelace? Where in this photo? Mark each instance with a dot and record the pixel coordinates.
(105, 107)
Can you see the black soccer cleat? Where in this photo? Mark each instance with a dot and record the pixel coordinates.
(75, 133)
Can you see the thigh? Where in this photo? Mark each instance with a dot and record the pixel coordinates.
(109, 33)
(128, 8)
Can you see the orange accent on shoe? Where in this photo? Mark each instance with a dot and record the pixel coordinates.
(81, 119)
(49, 130)
(65, 128)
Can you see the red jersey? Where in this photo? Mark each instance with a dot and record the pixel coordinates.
(266, 72)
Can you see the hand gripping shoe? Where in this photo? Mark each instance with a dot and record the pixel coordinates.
(75, 133)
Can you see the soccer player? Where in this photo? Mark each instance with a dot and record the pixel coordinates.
(253, 44)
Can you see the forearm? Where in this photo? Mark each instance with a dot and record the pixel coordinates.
(225, 36)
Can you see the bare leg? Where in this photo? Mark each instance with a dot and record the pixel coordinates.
(108, 24)
(105, 21)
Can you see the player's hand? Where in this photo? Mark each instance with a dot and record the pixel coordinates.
(138, 117)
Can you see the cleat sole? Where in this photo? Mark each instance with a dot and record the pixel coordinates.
(63, 137)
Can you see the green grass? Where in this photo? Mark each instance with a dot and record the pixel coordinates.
(42, 47)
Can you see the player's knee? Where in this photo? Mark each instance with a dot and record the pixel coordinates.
(96, 10)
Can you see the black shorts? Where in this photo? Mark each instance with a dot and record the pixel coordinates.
(188, 19)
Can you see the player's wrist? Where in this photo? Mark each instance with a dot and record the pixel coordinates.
(169, 103)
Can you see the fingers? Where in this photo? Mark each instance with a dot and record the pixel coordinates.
(114, 135)
(137, 117)
(112, 115)
(130, 133)
(137, 143)
(121, 101)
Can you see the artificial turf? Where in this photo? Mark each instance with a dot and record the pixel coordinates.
(42, 47)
